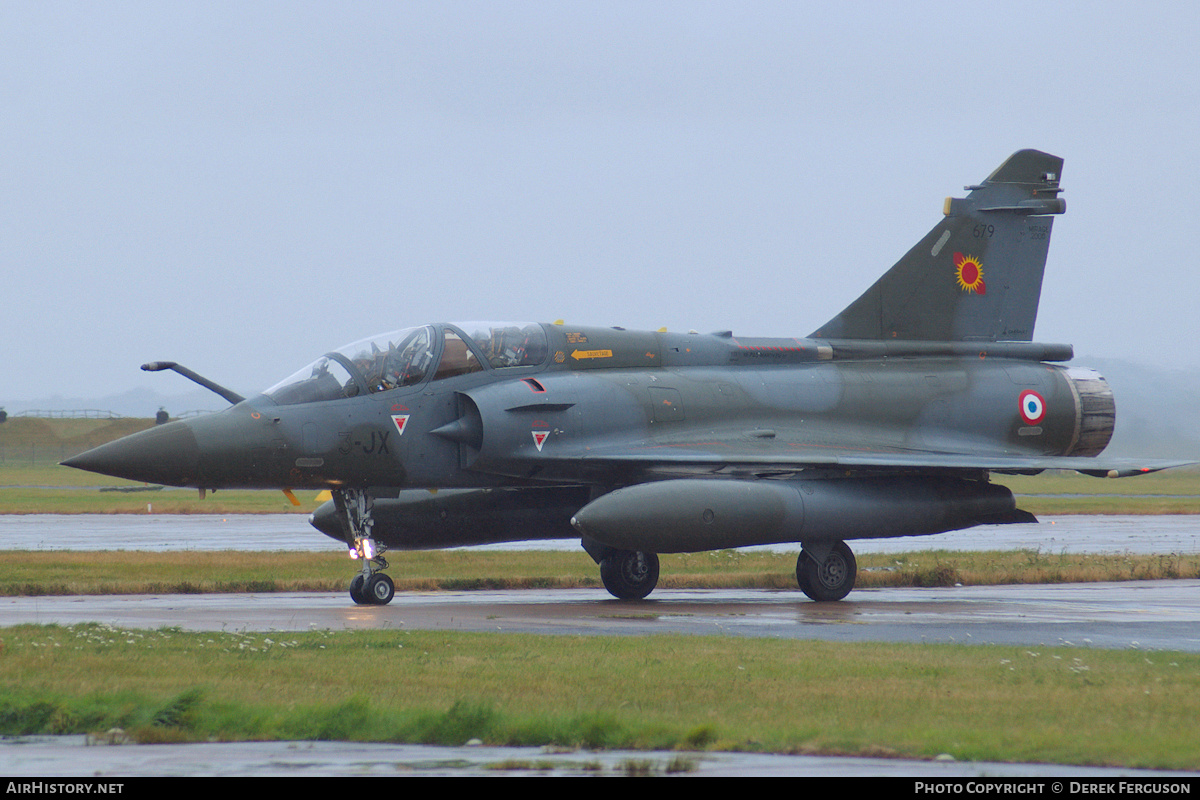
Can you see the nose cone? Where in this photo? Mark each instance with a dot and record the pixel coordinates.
(165, 454)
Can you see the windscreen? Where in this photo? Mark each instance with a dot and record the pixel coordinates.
(375, 364)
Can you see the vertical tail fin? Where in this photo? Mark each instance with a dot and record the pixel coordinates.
(978, 274)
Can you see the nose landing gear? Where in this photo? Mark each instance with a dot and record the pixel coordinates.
(371, 586)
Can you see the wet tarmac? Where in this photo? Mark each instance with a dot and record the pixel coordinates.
(1156, 615)
(1146, 615)
(1152, 615)
(66, 756)
(1075, 534)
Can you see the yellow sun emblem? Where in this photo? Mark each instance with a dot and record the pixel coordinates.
(969, 273)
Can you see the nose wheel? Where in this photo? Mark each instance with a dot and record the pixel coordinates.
(376, 590)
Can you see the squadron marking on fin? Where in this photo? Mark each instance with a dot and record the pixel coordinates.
(969, 274)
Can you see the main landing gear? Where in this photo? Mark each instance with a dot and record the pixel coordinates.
(371, 586)
(629, 574)
(826, 572)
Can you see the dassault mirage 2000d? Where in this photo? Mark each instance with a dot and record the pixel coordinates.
(886, 421)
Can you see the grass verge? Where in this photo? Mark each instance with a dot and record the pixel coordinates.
(131, 572)
(977, 703)
(142, 499)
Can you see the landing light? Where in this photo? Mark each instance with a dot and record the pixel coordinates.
(363, 548)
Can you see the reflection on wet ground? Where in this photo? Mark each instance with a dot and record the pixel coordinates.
(1075, 534)
(1147, 615)
(72, 756)
(1152, 615)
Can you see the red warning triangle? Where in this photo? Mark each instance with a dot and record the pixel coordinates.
(539, 438)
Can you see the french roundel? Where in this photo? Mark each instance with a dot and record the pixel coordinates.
(1033, 407)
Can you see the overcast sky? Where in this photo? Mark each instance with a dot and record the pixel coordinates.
(243, 186)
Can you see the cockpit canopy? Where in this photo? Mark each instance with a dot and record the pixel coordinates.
(407, 357)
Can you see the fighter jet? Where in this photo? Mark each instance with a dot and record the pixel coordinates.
(886, 421)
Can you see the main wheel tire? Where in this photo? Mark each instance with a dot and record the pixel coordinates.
(380, 589)
(356, 590)
(630, 574)
(832, 579)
